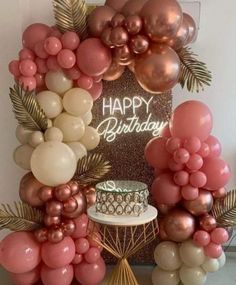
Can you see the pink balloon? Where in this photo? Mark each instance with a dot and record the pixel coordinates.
(217, 172)
(92, 255)
(52, 45)
(56, 255)
(40, 79)
(165, 132)
(214, 145)
(27, 67)
(156, 153)
(195, 162)
(93, 58)
(181, 155)
(81, 227)
(66, 58)
(189, 192)
(192, 144)
(20, 253)
(70, 40)
(26, 53)
(93, 238)
(181, 178)
(73, 73)
(85, 82)
(40, 51)
(27, 278)
(213, 250)
(41, 65)
(219, 236)
(96, 90)
(201, 238)
(198, 179)
(165, 191)
(35, 33)
(28, 82)
(173, 144)
(81, 245)
(60, 276)
(77, 259)
(174, 166)
(90, 274)
(52, 63)
(191, 119)
(14, 68)
(204, 151)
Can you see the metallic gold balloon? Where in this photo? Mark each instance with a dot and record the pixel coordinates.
(82, 206)
(119, 36)
(117, 20)
(90, 194)
(29, 190)
(207, 223)
(133, 24)
(114, 72)
(139, 44)
(162, 19)
(99, 19)
(116, 4)
(201, 205)
(164, 209)
(158, 69)
(106, 37)
(123, 55)
(133, 7)
(179, 225)
(192, 28)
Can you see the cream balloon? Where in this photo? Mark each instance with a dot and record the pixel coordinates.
(72, 127)
(53, 134)
(192, 275)
(53, 163)
(51, 103)
(57, 82)
(77, 101)
(91, 138)
(222, 260)
(87, 118)
(50, 123)
(162, 277)
(211, 265)
(191, 254)
(167, 256)
(36, 138)
(22, 156)
(79, 149)
(22, 134)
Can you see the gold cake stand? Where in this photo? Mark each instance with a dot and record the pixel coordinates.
(119, 237)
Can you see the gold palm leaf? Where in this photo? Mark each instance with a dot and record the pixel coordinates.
(224, 210)
(27, 109)
(194, 73)
(71, 15)
(91, 168)
(23, 218)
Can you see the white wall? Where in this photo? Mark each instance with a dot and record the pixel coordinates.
(216, 45)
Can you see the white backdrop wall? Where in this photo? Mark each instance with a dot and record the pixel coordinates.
(216, 45)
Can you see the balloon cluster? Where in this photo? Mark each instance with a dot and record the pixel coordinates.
(144, 35)
(78, 256)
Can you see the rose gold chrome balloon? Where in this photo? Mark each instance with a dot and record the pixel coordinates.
(117, 20)
(114, 72)
(119, 36)
(82, 206)
(139, 44)
(46, 193)
(162, 233)
(122, 55)
(133, 7)
(90, 194)
(133, 24)
(116, 4)
(220, 193)
(192, 28)
(74, 186)
(164, 209)
(68, 228)
(55, 235)
(63, 192)
(106, 37)
(207, 223)
(70, 205)
(41, 235)
(51, 221)
(54, 208)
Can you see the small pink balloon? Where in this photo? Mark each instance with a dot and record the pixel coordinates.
(35, 33)
(192, 144)
(73, 73)
(18, 247)
(173, 144)
(52, 45)
(204, 151)
(217, 172)
(70, 40)
(14, 68)
(56, 255)
(156, 154)
(92, 255)
(41, 65)
(201, 238)
(85, 82)
(81, 245)
(93, 58)
(77, 259)
(27, 278)
(181, 178)
(213, 250)
(40, 51)
(27, 82)
(174, 166)
(219, 236)
(97, 79)
(40, 79)
(94, 239)
(165, 191)
(214, 145)
(96, 90)
(55, 32)
(52, 63)
(60, 276)
(195, 162)
(27, 67)
(26, 53)
(198, 179)
(66, 58)
(181, 155)
(189, 192)
(90, 274)
(165, 132)
(81, 227)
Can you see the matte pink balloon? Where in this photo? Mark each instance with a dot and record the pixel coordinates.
(40, 79)
(204, 151)
(191, 119)
(93, 58)
(195, 162)
(192, 144)
(201, 238)
(60, 276)
(181, 156)
(27, 278)
(28, 82)
(173, 144)
(165, 132)
(77, 259)
(90, 274)
(181, 178)
(92, 255)
(217, 172)
(81, 245)
(40, 51)
(198, 179)
(81, 227)
(214, 145)
(18, 247)
(73, 73)
(189, 192)
(70, 40)
(174, 166)
(96, 90)
(52, 45)
(26, 53)
(165, 191)
(156, 154)
(41, 65)
(52, 63)
(85, 82)
(35, 33)
(213, 250)
(27, 67)
(219, 236)
(14, 68)
(56, 255)
(66, 58)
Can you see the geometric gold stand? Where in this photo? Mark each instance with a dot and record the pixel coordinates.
(122, 240)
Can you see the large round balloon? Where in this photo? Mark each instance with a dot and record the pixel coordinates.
(116, 5)
(132, 7)
(191, 119)
(158, 69)
(214, 147)
(63, 275)
(162, 19)
(114, 72)
(27, 278)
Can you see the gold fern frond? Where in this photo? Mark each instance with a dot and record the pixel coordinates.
(91, 168)
(27, 109)
(71, 15)
(194, 73)
(23, 218)
(224, 210)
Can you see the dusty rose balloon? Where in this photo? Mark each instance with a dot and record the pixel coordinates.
(181, 178)
(201, 238)
(165, 132)
(201, 205)
(198, 179)
(119, 36)
(158, 69)
(162, 19)
(195, 162)
(41, 235)
(90, 194)
(81, 208)
(133, 7)
(96, 90)
(192, 144)
(192, 28)
(63, 192)
(29, 190)
(123, 55)
(204, 151)
(114, 72)
(81, 227)
(93, 58)
(133, 24)
(116, 5)
(219, 236)
(179, 225)
(139, 44)
(92, 255)
(27, 278)
(174, 166)
(173, 144)
(213, 250)
(62, 276)
(189, 192)
(217, 172)
(220, 193)
(181, 155)
(191, 119)
(99, 18)
(207, 223)
(214, 145)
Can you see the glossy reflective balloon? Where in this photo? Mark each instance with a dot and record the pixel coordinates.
(163, 277)
(139, 44)
(214, 147)
(116, 5)
(82, 206)
(81, 227)
(63, 275)
(207, 223)
(133, 7)
(90, 194)
(114, 72)
(27, 278)
(191, 254)
(193, 275)
(192, 28)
